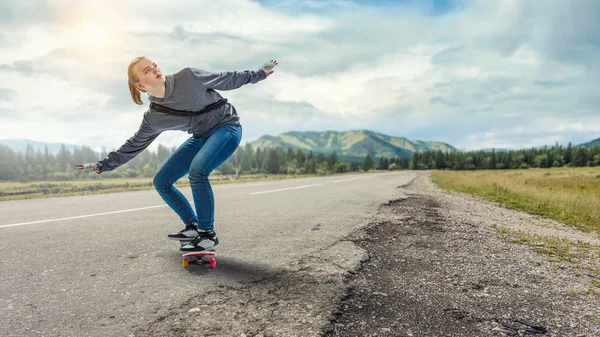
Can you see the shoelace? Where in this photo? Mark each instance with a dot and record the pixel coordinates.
(201, 236)
(187, 228)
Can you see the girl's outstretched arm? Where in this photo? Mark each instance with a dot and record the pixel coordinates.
(229, 80)
(132, 147)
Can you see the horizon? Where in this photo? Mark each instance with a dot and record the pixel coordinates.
(472, 74)
(99, 149)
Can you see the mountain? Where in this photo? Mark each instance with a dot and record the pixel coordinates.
(20, 145)
(595, 142)
(351, 145)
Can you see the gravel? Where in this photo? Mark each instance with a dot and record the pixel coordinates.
(430, 263)
(437, 267)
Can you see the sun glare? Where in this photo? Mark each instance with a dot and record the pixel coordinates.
(93, 35)
(95, 32)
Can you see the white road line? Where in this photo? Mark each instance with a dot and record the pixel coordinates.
(339, 181)
(377, 175)
(80, 216)
(150, 207)
(286, 189)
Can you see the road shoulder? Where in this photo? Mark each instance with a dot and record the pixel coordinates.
(437, 269)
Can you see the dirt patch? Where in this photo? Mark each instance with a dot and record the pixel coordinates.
(298, 301)
(427, 265)
(431, 274)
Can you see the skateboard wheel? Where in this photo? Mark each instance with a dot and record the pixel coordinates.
(213, 263)
(185, 263)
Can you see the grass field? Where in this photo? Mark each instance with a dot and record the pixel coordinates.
(571, 195)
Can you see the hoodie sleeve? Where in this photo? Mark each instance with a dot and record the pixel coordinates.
(132, 147)
(227, 80)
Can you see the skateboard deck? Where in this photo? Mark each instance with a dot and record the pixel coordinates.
(203, 257)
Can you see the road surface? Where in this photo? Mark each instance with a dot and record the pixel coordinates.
(101, 264)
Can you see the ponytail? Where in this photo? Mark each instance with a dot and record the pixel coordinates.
(132, 78)
(135, 94)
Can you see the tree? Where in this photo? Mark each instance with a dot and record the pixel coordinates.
(332, 160)
(541, 160)
(310, 165)
(64, 158)
(341, 168)
(368, 163)
(568, 154)
(270, 163)
(162, 153)
(380, 164)
(300, 158)
(259, 158)
(236, 161)
(440, 160)
(416, 161)
(246, 161)
(580, 157)
(249, 163)
(493, 160)
(290, 155)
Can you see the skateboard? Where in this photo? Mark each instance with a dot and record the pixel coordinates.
(203, 257)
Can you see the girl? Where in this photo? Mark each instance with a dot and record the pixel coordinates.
(186, 101)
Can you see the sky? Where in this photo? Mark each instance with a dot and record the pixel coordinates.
(472, 73)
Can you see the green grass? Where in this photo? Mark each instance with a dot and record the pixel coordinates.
(571, 195)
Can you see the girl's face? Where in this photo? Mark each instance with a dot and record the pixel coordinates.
(149, 74)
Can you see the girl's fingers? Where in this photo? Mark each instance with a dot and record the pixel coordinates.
(92, 166)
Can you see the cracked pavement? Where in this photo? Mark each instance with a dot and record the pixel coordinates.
(101, 265)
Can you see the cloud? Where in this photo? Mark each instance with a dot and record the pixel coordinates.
(443, 101)
(18, 14)
(552, 84)
(408, 68)
(7, 94)
(533, 133)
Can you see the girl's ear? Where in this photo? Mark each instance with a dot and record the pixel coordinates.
(139, 86)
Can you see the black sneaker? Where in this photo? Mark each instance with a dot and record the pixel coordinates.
(206, 240)
(189, 233)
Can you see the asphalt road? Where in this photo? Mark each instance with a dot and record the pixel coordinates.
(101, 265)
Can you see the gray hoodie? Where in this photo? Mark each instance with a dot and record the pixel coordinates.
(191, 90)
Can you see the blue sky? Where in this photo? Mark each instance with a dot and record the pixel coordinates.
(472, 73)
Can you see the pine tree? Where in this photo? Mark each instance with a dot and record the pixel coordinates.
(259, 158)
(580, 158)
(380, 163)
(64, 158)
(332, 160)
(368, 163)
(568, 154)
(300, 157)
(290, 155)
(270, 162)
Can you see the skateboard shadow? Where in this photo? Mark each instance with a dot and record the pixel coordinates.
(238, 270)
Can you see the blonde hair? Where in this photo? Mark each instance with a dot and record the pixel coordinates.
(133, 78)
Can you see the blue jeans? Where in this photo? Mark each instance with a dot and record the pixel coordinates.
(198, 157)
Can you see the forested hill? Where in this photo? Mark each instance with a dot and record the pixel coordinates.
(595, 142)
(350, 145)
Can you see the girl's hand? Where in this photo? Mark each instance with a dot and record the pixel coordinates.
(268, 67)
(93, 166)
